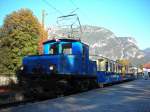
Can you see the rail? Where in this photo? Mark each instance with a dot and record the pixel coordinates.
(16, 103)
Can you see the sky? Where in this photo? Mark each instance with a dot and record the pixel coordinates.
(125, 18)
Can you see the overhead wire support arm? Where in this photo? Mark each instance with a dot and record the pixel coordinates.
(74, 10)
(67, 15)
(72, 19)
(79, 24)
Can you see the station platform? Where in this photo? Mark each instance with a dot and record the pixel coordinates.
(131, 96)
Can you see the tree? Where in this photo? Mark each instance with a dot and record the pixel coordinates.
(43, 38)
(19, 36)
(125, 65)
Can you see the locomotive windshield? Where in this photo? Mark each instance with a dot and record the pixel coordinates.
(67, 48)
(54, 49)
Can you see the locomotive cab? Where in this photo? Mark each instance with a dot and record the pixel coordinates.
(63, 57)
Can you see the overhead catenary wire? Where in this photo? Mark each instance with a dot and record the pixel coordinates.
(76, 6)
(73, 4)
(50, 5)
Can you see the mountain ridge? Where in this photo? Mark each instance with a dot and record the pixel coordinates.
(103, 41)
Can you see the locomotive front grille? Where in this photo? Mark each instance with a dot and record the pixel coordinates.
(38, 70)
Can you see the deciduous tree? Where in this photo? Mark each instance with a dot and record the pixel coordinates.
(19, 36)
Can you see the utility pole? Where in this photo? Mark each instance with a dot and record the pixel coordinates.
(43, 18)
(42, 38)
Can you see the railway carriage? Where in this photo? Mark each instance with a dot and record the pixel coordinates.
(108, 71)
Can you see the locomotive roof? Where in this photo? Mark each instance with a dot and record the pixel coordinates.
(61, 40)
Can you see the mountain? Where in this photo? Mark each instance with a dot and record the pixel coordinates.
(101, 42)
(146, 58)
(147, 51)
(104, 42)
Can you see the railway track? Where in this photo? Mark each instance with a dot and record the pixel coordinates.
(16, 100)
(14, 103)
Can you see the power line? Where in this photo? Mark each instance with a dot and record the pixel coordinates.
(73, 3)
(76, 6)
(45, 1)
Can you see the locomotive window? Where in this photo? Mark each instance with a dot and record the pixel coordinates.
(67, 49)
(111, 67)
(53, 49)
(106, 66)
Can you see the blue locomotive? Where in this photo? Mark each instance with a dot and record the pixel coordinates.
(64, 67)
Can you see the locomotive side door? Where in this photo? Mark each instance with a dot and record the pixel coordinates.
(85, 59)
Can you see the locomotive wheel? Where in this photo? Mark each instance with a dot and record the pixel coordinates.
(63, 88)
(79, 86)
(85, 84)
(93, 84)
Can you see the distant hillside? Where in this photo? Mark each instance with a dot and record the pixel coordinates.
(147, 51)
(146, 58)
(104, 42)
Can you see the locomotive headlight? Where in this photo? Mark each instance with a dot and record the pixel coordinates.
(51, 67)
(21, 68)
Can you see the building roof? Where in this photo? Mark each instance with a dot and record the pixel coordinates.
(147, 65)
